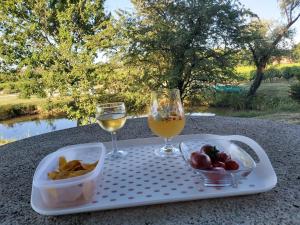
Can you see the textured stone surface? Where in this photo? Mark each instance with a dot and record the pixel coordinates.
(281, 205)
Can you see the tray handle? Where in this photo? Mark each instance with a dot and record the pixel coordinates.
(263, 158)
(266, 170)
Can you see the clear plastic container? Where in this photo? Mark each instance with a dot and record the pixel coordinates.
(71, 191)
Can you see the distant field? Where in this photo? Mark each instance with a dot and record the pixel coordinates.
(14, 99)
(275, 89)
(11, 106)
(245, 71)
(287, 110)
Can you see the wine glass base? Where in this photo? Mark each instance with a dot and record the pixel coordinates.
(167, 152)
(116, 155)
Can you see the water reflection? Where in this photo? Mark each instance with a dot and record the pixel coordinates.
(18, 129)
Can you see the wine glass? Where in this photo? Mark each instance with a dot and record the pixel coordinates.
(166, 119)
(112, 117)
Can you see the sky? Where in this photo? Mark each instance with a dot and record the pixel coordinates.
(265, 9)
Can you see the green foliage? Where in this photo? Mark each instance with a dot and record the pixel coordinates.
(182, 44)
(286, 72)
(295, 91)
(282, 71)
(125, 83)
(272, 73)
(245, 72)
(240, 101)
(296, 52)
(52, 47)
(289, 72)
(235, 101)
(42, 107)
(11, 111)
(267, 40)
(9, 87)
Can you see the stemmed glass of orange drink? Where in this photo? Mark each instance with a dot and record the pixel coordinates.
(166, 119)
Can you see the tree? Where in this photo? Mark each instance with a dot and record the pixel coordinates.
(52, 45)
(265, 40)
(182, 44)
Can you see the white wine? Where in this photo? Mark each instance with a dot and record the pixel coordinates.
(112, 122)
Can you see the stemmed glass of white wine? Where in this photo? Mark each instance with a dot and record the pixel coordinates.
(112, 117)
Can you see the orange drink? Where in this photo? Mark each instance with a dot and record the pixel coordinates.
(166, 128)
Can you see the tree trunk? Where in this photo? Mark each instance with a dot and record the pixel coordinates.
(257, 80)
(180, 84)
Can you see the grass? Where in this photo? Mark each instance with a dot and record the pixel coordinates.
(278, 105)
(278, 88)
(10, 99)
(244, 70)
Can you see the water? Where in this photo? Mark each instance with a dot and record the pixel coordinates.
(28, 126)
(16, 129)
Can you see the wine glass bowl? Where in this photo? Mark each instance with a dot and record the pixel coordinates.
(166, 119)
(112, 117)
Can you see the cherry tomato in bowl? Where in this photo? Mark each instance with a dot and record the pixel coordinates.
(218, 166)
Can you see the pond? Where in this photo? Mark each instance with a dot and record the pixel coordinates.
(29, 126)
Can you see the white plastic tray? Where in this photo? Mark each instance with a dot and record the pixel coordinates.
(144, 179)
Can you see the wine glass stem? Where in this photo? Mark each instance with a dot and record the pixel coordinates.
(114, 142)
(168, 145)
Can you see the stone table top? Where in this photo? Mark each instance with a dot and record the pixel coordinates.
(281, 205)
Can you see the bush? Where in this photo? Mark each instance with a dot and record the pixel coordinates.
(136, 103)
(51, 107)
(11, 111)
(8, 88)
(295, 91)
(240, 101)
(245, 72)
(29, 88)
(273, 72)
(236, 101)
(290, 72)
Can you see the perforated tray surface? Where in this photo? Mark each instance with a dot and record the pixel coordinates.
(142, 178)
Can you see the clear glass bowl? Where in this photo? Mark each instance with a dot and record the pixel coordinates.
(220, 178)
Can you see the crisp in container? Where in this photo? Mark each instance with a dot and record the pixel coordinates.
(71, 191)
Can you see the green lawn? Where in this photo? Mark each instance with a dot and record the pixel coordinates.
(275, 89)
(288, 110)
(13, 99)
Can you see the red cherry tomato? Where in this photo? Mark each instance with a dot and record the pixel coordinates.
(200, 161)
(219, 164)
(231, 165)
(223, 157)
